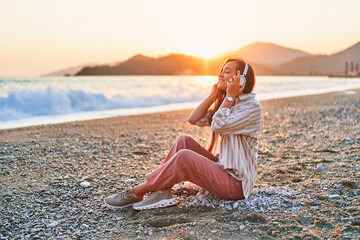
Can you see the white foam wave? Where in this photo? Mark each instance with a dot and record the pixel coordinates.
(46, 101)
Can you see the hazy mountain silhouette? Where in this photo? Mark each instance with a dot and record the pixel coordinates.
(69, 70)
(267, 53)
(266, 59)
(73, 69)
(172, 64)
(321, 64)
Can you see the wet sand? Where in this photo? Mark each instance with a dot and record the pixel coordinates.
(307, 185)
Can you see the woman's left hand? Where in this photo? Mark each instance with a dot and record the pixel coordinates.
(233, 86)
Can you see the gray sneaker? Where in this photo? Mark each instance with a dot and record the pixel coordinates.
(124, 199)
(156, 199)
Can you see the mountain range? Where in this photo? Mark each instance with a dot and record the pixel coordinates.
(266, 59)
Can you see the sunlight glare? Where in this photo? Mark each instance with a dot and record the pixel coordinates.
(208, 46)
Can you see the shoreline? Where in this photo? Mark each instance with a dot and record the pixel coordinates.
(153, 110)
(307, 184)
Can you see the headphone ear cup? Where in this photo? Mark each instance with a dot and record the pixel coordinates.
(242, 80)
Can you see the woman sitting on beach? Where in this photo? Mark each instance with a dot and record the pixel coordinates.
(234, 116)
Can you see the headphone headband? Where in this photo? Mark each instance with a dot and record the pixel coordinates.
(246, 68)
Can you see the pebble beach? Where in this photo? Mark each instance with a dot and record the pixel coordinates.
(54, 177)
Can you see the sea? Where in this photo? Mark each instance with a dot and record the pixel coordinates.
(29, 101)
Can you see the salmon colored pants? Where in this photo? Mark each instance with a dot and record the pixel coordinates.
(189, 161)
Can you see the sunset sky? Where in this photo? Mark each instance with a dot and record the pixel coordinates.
(41, 36)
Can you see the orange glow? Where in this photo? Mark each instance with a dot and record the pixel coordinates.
(34, 42)
(207, 45)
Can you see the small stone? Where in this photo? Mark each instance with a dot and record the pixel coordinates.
(52, 225)
(150, 233)
(212, 221)
(192, 233)
(129, 181)
(84, 178)
(85, 184)
(242, 227)
(285, 194)
(214, 231)
(349, 139)
(47, 234)
(334, 196)
(236, 205)
(320, 167)
(269, 192)
(205, 201)
(229, 207)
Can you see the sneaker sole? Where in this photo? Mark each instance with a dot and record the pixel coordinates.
(118, 207)
(160, 204)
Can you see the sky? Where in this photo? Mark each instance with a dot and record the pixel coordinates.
(41, 36)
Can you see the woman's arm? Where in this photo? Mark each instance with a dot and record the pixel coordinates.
(245, 118)
(202, 109)
(224, 120)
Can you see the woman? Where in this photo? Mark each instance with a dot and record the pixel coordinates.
(235, 116)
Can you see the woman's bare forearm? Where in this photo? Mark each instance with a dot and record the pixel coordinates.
(201, 110)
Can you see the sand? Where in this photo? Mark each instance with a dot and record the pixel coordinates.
(41, 168)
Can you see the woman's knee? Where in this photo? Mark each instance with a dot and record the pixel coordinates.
(184, 157)
(184, 138)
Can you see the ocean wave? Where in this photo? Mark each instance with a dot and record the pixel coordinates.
(47, 101)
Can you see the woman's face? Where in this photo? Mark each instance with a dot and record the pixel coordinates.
(227, 72)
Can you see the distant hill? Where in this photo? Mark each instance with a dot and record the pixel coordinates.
(267, 53)
(73, 69)
(321, 64)
(172, 64)
(68, 71)
(266, 59)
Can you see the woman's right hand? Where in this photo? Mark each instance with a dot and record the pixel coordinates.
(204, 106)
(214, 92)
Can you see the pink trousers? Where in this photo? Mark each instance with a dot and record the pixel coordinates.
(189, 161)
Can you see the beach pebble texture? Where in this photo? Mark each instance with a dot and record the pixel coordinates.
(54, 177)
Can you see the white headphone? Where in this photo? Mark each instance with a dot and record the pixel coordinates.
(242, 76)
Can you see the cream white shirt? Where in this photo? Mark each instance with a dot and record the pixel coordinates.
(239, 128)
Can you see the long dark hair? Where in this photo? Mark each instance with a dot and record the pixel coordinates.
(220, 95)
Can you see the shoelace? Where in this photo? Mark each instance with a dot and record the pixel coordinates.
(122, 194)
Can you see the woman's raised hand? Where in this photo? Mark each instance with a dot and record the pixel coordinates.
(233, 86)
(214, 91)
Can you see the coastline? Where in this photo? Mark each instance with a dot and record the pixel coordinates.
(119, 112)
(42, 166)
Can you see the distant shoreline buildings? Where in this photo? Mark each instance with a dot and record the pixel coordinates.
(352, 72)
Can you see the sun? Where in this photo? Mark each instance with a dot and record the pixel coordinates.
(205, 47)
(207, 51)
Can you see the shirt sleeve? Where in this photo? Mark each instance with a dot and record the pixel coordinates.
(226, 121)
(205, 120)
